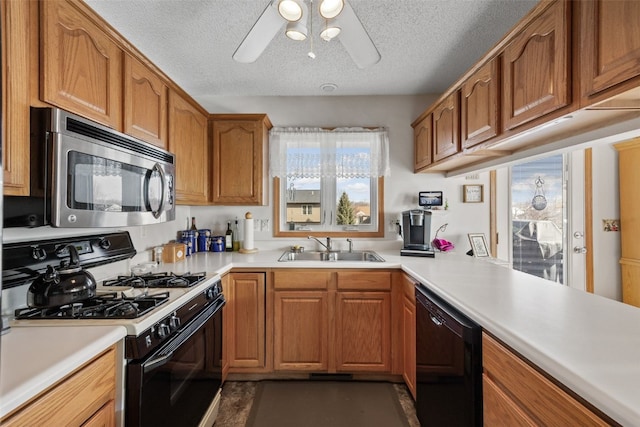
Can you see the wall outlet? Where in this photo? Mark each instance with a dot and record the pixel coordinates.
(264, 226)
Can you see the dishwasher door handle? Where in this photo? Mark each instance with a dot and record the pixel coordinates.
(434, 319)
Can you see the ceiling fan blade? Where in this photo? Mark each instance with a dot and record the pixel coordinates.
(355, 39)
(260, 35)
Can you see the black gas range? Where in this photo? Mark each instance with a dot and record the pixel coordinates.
(171, 320)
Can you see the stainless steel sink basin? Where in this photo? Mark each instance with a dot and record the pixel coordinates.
(367, 256)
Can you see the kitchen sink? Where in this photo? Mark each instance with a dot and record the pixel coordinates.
(367, 256)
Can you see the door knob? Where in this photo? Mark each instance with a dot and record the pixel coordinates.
(580, 250)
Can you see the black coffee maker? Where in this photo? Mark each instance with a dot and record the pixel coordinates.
(416, 231)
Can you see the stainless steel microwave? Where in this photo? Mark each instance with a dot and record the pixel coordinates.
(84, 174)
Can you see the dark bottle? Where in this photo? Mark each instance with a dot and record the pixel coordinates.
(193, 223)
(228, 238)
(236, 237)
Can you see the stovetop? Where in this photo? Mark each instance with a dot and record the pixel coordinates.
(157, 280)
(106, 306)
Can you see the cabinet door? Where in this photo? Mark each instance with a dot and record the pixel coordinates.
(363, 331)
(422, 143)
(15, 29)
(535, 67)
(479, 98)
(446, 123)
(239, 160)
(610, 49)
(531, 391)
(145, 103)
(300, 337)
(188, 141)
(499, 409)
(629, 176)
(247, 291)
(409, 334)
(227, 330)
(81, 65)
(104, 417)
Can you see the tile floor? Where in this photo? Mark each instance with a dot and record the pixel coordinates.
(237, 398)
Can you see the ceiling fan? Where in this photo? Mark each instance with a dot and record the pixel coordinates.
(340, 22)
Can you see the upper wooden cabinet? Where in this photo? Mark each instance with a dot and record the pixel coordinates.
(535, 67)
(145, 103)
(479, 109)
(240, 155)
(609, 47)
(422, 143)
(446, 125)
(81, 68)
(188, 141)
(16, 27)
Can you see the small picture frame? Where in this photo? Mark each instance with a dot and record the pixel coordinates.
(473, 193)
(478, 245)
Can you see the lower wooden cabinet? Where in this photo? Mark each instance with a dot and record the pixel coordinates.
(246, 322)
(516, 393)
(86, 397)
(301, 325)
(408, 321)
(363, 331)
(332, 321)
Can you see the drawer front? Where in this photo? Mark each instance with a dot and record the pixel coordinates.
(531, 391)
(301, 279)
(499, 410)
(364, 280)
(74, 399)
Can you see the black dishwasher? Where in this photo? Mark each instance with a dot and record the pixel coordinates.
(448, 364)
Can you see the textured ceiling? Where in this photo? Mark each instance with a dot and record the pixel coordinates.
(425, 45)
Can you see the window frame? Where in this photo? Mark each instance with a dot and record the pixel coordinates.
(279, 232)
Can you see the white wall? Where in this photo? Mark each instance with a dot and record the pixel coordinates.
(401, 188)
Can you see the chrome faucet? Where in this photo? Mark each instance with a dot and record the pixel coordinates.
(350, 245)
(327, 246)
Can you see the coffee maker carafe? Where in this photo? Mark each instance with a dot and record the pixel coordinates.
(416, 230)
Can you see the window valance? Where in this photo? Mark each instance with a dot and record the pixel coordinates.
(316, 152)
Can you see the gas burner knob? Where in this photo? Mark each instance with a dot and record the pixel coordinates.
(38, 254)
(174, 322)
(210, 294)
(163, 331)
(104, 243)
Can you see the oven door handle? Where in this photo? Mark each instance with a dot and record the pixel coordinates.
(166, 353)
(156, 362)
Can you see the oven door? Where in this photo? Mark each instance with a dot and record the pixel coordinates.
(176, 385)
(96, 185)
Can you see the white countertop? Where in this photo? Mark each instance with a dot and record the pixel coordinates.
(35, 358)
(587, 342)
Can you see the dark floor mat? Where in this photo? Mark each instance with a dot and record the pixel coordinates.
(326, 404)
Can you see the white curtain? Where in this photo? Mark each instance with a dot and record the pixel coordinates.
(315, 152)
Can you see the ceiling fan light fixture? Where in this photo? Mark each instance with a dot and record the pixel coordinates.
(331, 8)
(330, 31)
(291, 10)
(296, 31)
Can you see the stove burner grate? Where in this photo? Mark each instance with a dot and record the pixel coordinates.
(157, 280)
(107, 306)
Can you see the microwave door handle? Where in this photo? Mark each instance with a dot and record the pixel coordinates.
(163, 180)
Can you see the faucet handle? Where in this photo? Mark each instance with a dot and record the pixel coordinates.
(350, 244)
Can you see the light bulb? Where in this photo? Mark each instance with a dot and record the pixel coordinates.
(331, 8)
(290, 10)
